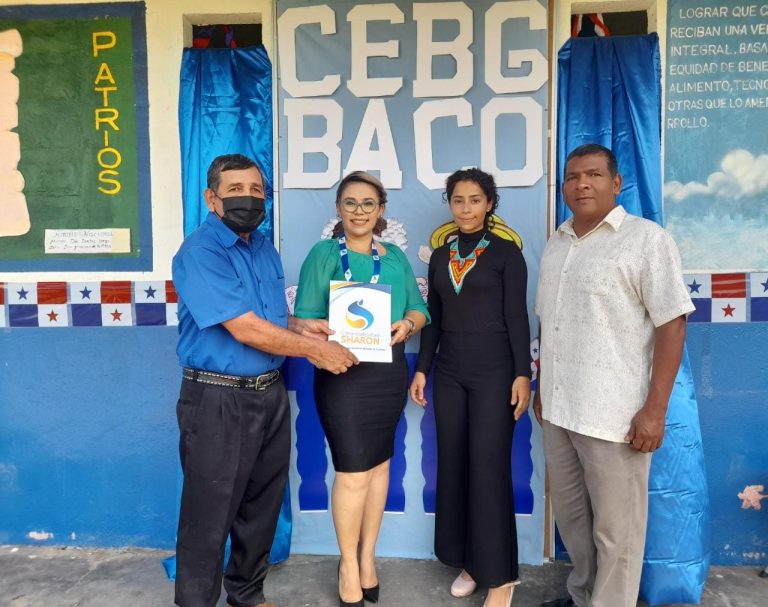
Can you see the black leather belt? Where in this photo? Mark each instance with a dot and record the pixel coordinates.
(258, 382)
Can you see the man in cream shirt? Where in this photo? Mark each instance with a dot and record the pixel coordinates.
(613, 310)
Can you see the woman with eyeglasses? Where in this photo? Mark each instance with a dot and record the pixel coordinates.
(359, 410)
(477, 299)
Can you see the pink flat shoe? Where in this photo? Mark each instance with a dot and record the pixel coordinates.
(461, 587)
(511, 586)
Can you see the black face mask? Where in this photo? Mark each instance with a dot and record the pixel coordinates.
(243, 214)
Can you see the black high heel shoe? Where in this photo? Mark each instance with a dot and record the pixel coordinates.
(371, 594)
(361, 602)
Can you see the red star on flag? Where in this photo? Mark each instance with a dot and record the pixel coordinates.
(728, 310)
(52, 316)
(116, 315)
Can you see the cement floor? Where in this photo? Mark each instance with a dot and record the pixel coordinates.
(33, 576)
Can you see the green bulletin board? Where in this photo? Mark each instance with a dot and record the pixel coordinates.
(83, 135)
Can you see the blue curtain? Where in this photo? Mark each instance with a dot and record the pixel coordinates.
(609, 93)
(612, 96)
(225, 107)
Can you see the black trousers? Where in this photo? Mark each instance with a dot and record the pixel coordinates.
(235, 448)
(475, 515)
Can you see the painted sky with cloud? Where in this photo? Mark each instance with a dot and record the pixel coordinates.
(721, 222)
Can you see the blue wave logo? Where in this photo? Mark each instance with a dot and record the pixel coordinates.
(358, 317)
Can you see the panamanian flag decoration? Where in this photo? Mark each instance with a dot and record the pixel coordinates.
(116, 309)
(758, 292)
(52, 309)
(718, 297)
(729, 297)
(721, 298)
(588, 26)
(119, 303)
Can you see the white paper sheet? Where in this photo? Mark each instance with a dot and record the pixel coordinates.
(360, 313)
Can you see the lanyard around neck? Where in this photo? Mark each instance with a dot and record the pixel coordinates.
(345, 260)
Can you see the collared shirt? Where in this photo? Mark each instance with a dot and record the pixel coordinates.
(219, 276)
(600, 298)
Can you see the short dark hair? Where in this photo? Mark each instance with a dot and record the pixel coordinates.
(229, 162)
(362, 177)
(485, 180)
(590, 149)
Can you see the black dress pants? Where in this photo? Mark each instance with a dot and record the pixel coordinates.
(235, 447)
(475, 515)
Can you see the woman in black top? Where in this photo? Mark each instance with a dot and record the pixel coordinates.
(477, 301)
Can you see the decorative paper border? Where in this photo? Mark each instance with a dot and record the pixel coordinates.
(733, 297)
(115, 303)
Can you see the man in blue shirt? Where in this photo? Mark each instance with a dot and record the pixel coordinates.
(233, 410)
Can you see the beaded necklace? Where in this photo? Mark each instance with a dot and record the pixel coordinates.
(458, 266)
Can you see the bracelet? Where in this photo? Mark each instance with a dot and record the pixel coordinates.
(413, 325)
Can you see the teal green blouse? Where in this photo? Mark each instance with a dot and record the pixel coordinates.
(323, 265)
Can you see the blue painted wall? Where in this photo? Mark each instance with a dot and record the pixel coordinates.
(88, 447)
(88, 435)
(730, 371)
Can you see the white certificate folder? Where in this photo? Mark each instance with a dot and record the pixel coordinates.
(360, 313)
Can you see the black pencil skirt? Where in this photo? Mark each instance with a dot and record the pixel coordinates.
(359, 411)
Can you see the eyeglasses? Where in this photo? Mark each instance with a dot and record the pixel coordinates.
(368, 206)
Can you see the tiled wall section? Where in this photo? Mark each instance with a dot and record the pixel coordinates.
(88, 304)
(735, 297)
